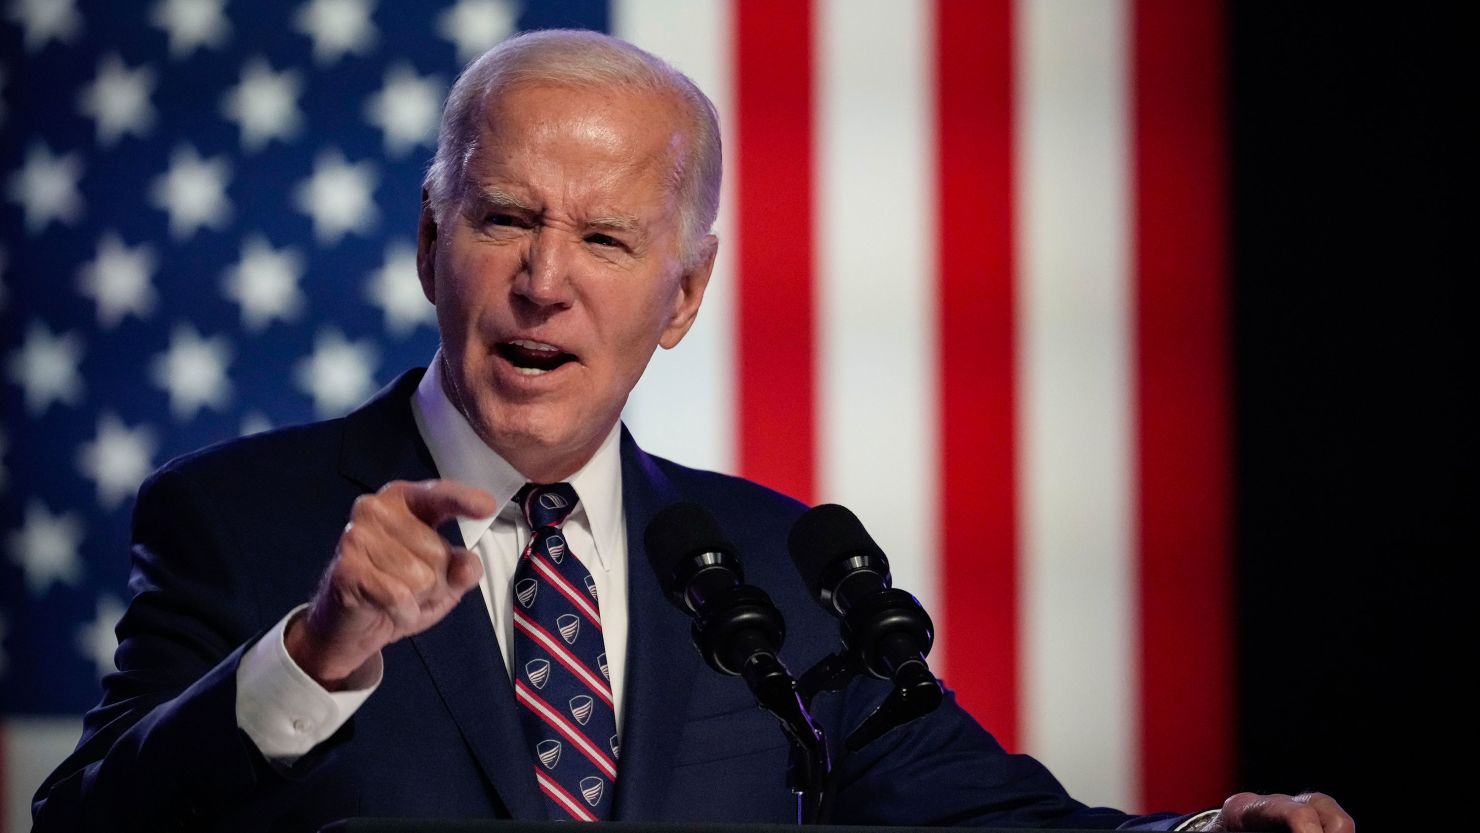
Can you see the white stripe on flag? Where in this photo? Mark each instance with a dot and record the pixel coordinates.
(876, 279)
(1074, 369)
(685, 406)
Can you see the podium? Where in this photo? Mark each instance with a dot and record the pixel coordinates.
(370, 825)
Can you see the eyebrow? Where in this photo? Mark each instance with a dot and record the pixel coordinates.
(615, 223)
(497, 198)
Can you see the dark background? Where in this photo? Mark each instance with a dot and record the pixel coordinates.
(1354, 227)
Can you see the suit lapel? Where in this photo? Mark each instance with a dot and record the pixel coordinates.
(661, 664)
(461, 653)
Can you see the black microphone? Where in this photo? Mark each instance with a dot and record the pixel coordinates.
(739, 631)
(737, 627)
(885, 630)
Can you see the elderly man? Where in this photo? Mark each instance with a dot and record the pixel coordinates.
(563, 237)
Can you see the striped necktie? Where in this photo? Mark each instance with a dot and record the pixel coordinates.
(561, 679)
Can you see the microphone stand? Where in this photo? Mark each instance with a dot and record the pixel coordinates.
(877, 627)
(737, 631)
(809, 765)
(888, 634)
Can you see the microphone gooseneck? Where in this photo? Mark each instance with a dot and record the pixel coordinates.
(738, 631)
(885, 630)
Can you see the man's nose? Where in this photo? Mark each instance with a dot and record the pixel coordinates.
(545, 279)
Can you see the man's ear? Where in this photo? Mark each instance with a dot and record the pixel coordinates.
(691, 286)
(426, 248)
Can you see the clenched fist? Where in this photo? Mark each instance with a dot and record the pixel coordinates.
(393, 575)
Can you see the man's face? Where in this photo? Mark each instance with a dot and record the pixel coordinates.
(558, 269)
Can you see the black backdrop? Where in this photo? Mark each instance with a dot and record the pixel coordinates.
(1354, 230)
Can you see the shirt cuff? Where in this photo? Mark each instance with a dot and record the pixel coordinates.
(285, 712)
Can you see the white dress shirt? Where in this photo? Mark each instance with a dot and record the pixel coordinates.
(286, 713)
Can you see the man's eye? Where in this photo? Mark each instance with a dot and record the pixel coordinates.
(504, 220)
(603, 240)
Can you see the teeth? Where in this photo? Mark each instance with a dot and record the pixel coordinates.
(535, 345)
(530, 371)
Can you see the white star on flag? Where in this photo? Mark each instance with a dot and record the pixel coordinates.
(337, 27)
(191, 24)
(339, 373)
(264, 105)
(45, 21)
(118, 460)
(193, 192)
(45, 548)
(193, 372)
(339, 197)
(406, 109)
(475, 26)
(395, 288)
(264, 283)
(46, 188)
(118, 280)
(97, 640)
(45, 367)
(118, 100)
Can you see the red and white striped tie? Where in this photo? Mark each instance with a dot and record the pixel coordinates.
(561, 678)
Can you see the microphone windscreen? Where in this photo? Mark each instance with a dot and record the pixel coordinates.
(824, 535)
(678, 533)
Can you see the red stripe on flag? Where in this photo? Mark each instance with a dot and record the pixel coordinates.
(977, 425)
(1182, 404)
(775, 297)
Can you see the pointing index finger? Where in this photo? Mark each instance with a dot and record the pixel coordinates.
(435, 501)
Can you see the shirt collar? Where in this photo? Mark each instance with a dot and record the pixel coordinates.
(461, 455)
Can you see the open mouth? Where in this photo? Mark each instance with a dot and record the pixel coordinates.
(533, 358)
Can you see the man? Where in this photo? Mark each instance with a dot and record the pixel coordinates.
(563, 237)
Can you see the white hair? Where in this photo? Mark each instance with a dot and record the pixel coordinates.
(579, 58)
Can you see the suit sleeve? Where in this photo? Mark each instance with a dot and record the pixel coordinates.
(946, 770)
(162, 750)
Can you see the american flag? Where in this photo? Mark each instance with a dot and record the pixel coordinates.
(972, 285)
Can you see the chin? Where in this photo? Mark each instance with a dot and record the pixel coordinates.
(528, 437)
(510, 436)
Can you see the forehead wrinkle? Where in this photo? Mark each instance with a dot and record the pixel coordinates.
(488, 196)
(663, 160)
(589, 202)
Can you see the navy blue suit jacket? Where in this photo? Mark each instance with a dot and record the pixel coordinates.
(227, 540)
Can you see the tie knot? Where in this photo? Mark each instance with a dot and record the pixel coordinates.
(546, 505)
